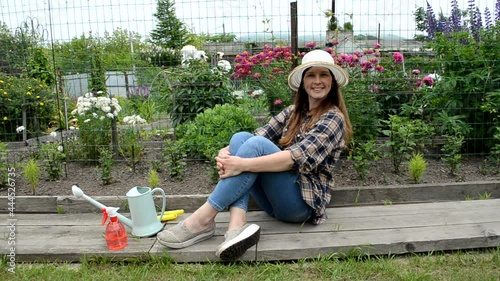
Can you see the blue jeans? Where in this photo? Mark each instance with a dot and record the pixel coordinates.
(278, 194)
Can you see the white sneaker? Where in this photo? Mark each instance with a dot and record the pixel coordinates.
(238, 241)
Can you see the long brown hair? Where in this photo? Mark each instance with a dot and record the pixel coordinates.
(301, 102)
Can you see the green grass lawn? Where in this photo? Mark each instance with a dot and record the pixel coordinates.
(463, 265)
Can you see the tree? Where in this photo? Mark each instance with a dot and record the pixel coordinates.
(170, 34)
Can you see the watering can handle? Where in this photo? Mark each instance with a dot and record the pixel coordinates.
(164, 205)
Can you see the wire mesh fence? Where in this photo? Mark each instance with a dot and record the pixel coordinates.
(96, 75)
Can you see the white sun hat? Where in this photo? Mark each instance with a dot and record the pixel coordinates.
(317, 58)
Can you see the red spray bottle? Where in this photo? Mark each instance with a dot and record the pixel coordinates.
(116, 236)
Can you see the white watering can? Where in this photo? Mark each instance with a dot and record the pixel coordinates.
(145, 221)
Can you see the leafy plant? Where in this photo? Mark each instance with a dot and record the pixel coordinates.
(210, 131)
(95, 115)
(416, 167)
(32, 174)
(129, 145)
(153, 178)
(485, 196)
(196, 88)
(175, 155)
(24, 94)
(405, 136)
(3, 163)
(361, 155)
(106, 162)
(267, 71)
(53, 155)
(451, 152)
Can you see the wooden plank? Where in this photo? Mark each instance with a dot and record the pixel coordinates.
(384, 241)
(30, 204)
(348, 196)
(374, 229)
(70, 244)
(345, 196)
(282, 246)
(377, 217)
(72, 205)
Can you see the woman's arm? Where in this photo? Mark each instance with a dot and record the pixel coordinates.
(233, 165)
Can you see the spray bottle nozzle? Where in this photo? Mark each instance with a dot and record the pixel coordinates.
(108, 211)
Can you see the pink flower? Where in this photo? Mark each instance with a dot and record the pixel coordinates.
(415, 71)
(335, 43)
(428, 81)
(278, 102)
(257, 75)
(419, 83)
(377, 45)
(380, 68)
(311, 45)
(398, 57)
(374, 60)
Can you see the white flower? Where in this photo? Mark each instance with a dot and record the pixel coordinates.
(94, 115)
(110, 115)
(102, 118)
(20, 129)
(71, 127)
(53, 134)
(106, 109)
(134, 119)
(86, 121)
(60, 148)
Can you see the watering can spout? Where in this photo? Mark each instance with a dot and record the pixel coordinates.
(78, 193)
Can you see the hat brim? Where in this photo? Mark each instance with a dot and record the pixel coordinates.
(295, 77)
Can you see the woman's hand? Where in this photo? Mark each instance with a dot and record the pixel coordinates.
(229, 166)
(224, 152)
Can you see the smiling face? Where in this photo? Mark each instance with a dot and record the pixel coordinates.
(317, 83)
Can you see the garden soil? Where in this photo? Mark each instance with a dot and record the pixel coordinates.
(197, 180)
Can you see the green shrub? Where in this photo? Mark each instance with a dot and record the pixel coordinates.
(153, 178)
(416, 167)
(361, 154)
(31, 95)
(203, 137)
(3, 164)
(32, 174)
(54, 157)
(195, 89)
(405, 136)
(212, 130)
(106, 162)
(451, 152)
(174, 155)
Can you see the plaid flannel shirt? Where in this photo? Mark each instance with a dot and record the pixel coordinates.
(314, 154)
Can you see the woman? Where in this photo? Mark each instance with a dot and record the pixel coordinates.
(286, 166)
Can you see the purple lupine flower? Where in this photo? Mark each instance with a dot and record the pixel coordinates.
(431, 22)
(476, 24)
(487, 19)
(497, 10)
(456, 16)
(443, 25)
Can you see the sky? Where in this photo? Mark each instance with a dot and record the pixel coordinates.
(63, 20)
